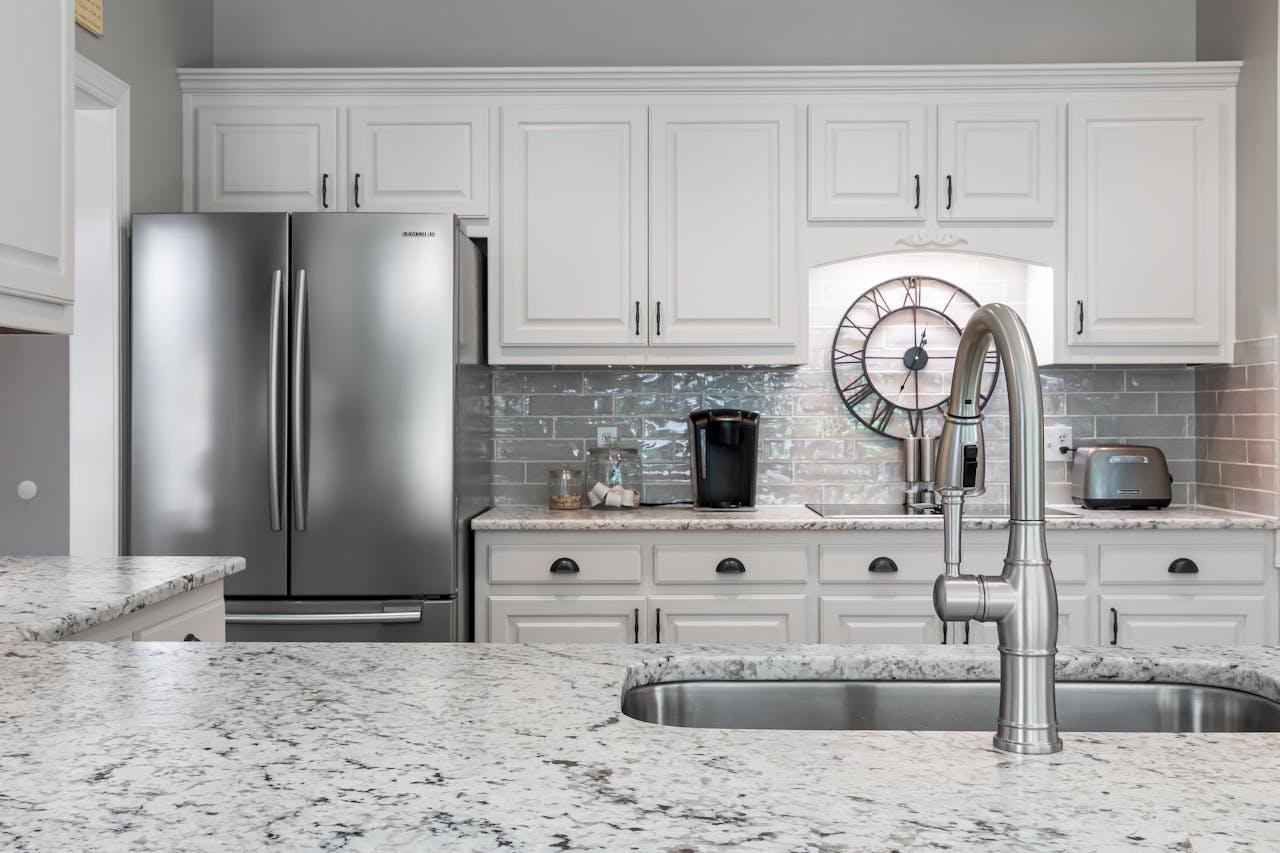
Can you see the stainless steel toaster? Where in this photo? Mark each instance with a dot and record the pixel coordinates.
(1120, 476)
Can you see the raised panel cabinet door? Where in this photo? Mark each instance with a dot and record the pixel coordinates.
(1147, 252)
(574, 268)
(728, 619)
(879, 619)
(267, 159)
(998, 161)
(421, 158)
(567, 619)
(867, 161)
(722, 232)
(1166, 620)
(37, 88)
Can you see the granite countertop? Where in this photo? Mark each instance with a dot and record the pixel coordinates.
(479, 747)
(803, 518)
(47, 598)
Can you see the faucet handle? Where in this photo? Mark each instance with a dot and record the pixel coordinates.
(962, 459)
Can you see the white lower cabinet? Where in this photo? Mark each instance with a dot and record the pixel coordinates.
(196, 615)
(729, 619)
(1172, 620)
(565, 619)
(1134, 587)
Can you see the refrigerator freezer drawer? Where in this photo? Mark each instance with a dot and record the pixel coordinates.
(399, 621)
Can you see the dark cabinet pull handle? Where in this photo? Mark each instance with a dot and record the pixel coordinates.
(191, 638)
(637, 316)
(637, 624)
(966, 633)
(1079, 316)
(324, 190)
(564, 566)
(1184, 566)
(944, 633)
(659, 318)
(1115, 627)
(731, 566)
(948, 192)
(657, 626)
(357, 189)
(882, 565)
(917, 207)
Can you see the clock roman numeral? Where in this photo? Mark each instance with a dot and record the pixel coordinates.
(881, 414)
(915, 421)
(882, 304)
(911, 295)
(857, 390)
(845, 357)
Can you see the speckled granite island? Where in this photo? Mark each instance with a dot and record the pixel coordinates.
(53, 598)
(433, 747)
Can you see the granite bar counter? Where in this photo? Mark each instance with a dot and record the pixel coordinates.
(49, 598)
(803, 518)
(481, 747)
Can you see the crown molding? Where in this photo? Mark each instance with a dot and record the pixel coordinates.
(716, 79)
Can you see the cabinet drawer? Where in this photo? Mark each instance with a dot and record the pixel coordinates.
(593, 563)
(207, 623)
(923, 563)
(720, 564)
(1216, 563)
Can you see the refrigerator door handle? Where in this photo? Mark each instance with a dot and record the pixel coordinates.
(297, 414)
(273, 398)
(379, 617)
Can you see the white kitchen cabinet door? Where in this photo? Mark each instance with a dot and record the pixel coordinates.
(1073, 624)
(1148, 223)
(879, 619)
(728, 619)
(722, 233)
(574, 263)
(274, 158)
(36, 216)
(867, 161)
(199, 613)
(1166, 620)
(422, 158)
(998, 162)
(566, 619)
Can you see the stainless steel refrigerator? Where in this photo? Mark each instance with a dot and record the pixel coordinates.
(307, 391)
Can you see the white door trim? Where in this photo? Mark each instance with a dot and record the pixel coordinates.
(107, 92)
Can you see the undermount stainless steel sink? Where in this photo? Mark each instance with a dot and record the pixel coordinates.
(1083, 706)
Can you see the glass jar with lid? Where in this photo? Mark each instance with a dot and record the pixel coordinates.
(564, 488)
(613, 477)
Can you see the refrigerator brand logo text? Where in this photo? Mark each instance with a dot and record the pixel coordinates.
(417, 233)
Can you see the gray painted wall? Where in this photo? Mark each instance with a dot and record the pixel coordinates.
(697, 32)
(145, 41)
(1247, 29)
(34, 411)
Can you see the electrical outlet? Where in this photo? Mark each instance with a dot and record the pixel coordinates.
(606, 435)
(1055, 439)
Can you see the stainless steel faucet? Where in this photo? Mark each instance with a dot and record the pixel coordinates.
(1023, 600)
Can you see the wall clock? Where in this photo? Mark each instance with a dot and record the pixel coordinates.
(894, 353)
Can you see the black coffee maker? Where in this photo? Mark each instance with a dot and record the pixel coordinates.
(724, 443)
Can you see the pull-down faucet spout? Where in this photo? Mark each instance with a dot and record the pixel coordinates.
(1023, 600)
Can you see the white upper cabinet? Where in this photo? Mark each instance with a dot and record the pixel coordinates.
(998, 161)
(947, 162)
(722, 267)
(573, 226)
(1150, 228)
(36, 217)
(867, 161)
(421, 158)
(273, 158)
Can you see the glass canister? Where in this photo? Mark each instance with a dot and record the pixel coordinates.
(613, 477)
(564, 488)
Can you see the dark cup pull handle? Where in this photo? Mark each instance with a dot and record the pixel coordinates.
(1115, 627)
(1079, 316)
(564, 566)
(191, 638)
(1184, 566)
(882, 565)
(731, 566)
(357, 189)
(657, 625)
(637, 624)
(917, 207)
(324, 190)
(948, 192)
